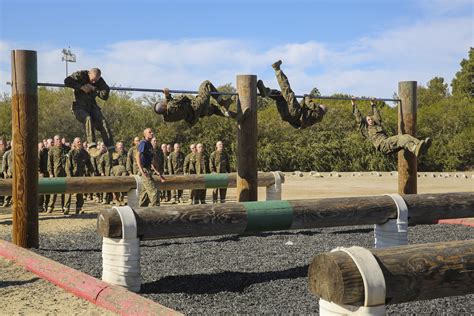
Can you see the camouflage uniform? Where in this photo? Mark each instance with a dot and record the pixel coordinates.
(377, 135)
(7, 170)
(118, 169)
(201, 166)
(2, 152)
(56, 168)
(43, 200)
(176, 166)
(166, 195)
(190, 109)
(85, 107)
(78, 164)
(189, 168)
(219, 163)
(131, 165)
(104, 167)
(299, 114)
(96, 173)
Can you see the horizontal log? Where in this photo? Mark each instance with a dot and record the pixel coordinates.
(124, 184)
(236, 218)
(412, 273)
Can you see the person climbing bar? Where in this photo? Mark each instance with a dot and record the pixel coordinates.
(191, 109)
(371, 128)
(299, 114)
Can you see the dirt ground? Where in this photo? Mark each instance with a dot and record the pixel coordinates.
(24, 293)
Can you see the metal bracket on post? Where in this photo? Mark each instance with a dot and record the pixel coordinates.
(395, 231)
(274, 190)
(133, 195)
(121, 257)
(374, 287)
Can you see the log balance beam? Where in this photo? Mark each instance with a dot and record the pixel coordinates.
(125, 184)
(238, 218)
(411, 273)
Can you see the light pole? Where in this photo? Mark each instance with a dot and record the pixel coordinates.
(68, 56)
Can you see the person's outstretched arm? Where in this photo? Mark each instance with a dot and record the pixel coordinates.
(356, 112)
(376, 113)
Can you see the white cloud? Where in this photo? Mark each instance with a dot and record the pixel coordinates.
(366, 66)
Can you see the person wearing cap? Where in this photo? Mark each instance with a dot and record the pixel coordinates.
(299, 114)
(190, 109)
(87, 85)
(371, 128)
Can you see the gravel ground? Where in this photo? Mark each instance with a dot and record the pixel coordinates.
(247, 274)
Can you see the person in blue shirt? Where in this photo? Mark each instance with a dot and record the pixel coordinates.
(146, 161)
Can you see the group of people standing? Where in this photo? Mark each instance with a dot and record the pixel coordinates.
(56, 158)
(164, 160)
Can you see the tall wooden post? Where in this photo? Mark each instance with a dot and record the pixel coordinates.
(25, 148)
(407, 163)
(247, 140)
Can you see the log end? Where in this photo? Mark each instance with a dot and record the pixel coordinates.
(325, 278)
(109, 224)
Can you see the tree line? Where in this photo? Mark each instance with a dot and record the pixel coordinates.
(331, 145)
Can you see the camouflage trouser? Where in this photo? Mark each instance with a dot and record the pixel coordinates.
(150, 190)
(92, 119)
(219, 192)
(79, 201)
(119, 171)
(43, 200)
(396, 143)
(287, 104)
(199, 196)
(52, 201)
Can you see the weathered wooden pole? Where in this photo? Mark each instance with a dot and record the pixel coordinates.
(125, 183)
(238, 218)
(25, 148)
(247, 139)
(407, 162)
(411, 273)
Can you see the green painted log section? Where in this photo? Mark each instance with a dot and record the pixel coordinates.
(124, 184)
(236, 218)
(411, 273)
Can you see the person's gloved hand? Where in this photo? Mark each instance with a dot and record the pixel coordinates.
(88, 88)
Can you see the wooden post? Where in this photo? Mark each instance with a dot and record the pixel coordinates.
(25, 148)
(247, 140)
(411, 273)
(407, 163)
(238, 218)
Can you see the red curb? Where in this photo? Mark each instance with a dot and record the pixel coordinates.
(458, 221)
(111, 297)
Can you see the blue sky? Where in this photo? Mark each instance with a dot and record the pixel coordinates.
(361, 47)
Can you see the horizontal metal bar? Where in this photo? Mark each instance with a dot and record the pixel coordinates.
(319, 97)
(347, 98)
(58, 85)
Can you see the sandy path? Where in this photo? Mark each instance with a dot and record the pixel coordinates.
(24, 293)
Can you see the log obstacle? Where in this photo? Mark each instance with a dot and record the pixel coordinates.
(125, 184)
(408, 273)
(122, 228)
(237, 218)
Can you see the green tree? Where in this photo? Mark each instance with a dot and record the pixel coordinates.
(435, 91)
(463, 82)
